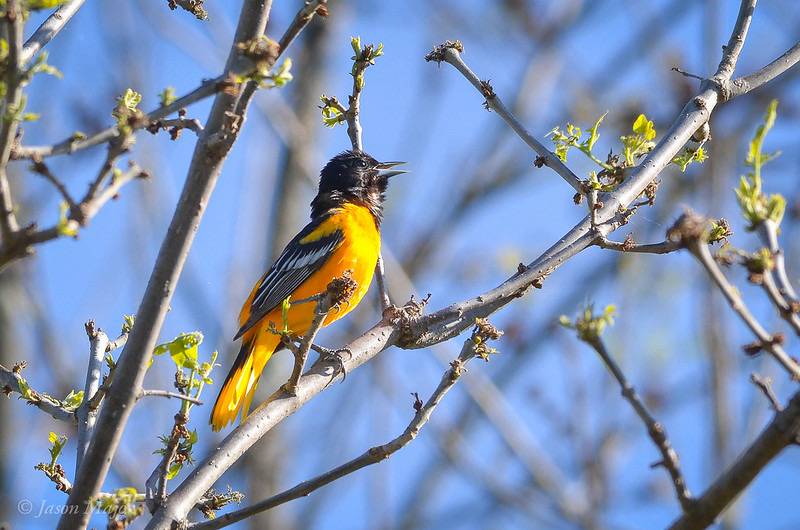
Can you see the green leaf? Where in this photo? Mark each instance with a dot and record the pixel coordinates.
(174, 469)
(57, 443)
(64, 226)
(285, 305)
(43, 4)
(73, 400)
(640, 142)
(644, 127)
(355, 43)
(755, 205)
(24, 389)
(588, 325)
(182, 349)
(167, 96)
(130, 99)
(593, 134)
(128, 321)
(283, 75)
(40, 66)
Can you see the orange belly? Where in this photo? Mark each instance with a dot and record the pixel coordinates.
(358, 253)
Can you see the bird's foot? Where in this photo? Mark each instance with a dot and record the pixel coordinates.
(335, 358)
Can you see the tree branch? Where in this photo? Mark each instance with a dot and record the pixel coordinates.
(665, 247)
(748, 83)
(322, 307)
(215, 142)
(51, 27)
(657, 433)
(79, 215)
(98, 342)
(372, 455)
(11, 382)
(419, 332)
(169, 395)
(75, 143)
(450, 52)
(779, 434)
(13, 21)
(691, 227)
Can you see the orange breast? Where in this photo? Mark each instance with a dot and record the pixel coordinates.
(357, 253)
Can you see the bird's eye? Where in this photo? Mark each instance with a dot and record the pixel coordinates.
(361, 164)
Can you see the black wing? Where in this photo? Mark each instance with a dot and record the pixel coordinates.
(296, 264)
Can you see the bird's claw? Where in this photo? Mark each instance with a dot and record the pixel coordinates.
(335, 358)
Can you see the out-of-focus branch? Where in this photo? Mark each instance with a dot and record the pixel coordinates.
(13, 22)
(51, 27)
(777, 283)
(214, 144)
(669, 458)
(98, 342)
(764, 384)
(78, 214)
(471, 348)
(450, 53)
(779, 434)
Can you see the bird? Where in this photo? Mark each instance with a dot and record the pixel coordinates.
(343, 237)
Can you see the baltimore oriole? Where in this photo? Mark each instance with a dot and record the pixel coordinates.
(343, 235)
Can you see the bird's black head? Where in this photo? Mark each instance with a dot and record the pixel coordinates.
(353, 176)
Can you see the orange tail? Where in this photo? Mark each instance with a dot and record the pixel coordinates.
(240, 385)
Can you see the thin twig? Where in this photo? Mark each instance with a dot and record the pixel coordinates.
(665, 247)
(765, 385)
(156, 484)
(371, 456)
(72, 144)
(13, 21)
(49, 29)
(167, 394)
(748, 83)
(766, 341)
(42, 169)
(380, 279)
(352, 115)
(11, 382)
(98, 341)
(768, 233)
(669, 458)
(79, 214)
(450, 53)
(321, 310)
(301, 20)
(733, 49)
(787, 310)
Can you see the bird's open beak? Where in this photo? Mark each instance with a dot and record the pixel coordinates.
(385, 169)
